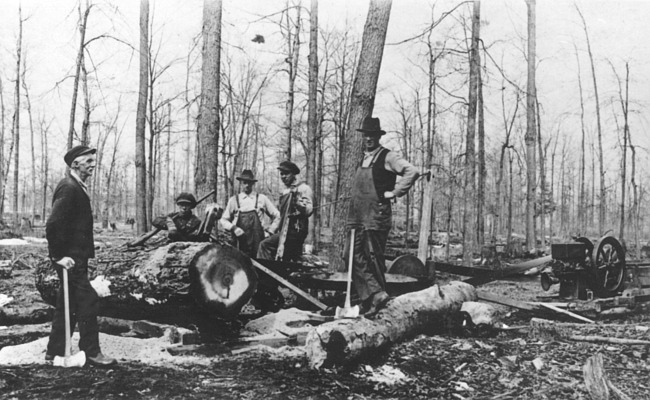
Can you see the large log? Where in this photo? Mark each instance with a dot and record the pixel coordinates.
(343, 341)
(175, 281)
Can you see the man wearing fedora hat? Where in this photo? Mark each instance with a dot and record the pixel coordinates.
(69, 233)
(244, 212)
(370, 213)
(183, 225)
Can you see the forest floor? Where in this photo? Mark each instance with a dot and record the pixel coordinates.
(507, 364)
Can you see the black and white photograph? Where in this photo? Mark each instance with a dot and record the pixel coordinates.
(325, 199)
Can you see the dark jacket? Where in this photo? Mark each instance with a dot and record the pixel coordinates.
(69, 229)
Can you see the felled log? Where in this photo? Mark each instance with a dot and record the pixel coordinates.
(343, 341)
(177, 281)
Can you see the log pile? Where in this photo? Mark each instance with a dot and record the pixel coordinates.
(343, 341)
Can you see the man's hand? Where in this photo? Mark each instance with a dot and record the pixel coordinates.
(66, 262)
(301, 205)
(238, 231)
(389, 195)
(171, 233)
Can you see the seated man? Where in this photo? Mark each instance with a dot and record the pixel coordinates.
(181, 226)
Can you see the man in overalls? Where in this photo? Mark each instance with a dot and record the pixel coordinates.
(295, 206)
(243, 215)
(370, 214)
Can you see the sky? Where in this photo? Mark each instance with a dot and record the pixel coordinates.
(618, 32)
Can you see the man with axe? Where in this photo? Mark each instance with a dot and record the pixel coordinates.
(69, 233)
(295, 207)
(370, 214)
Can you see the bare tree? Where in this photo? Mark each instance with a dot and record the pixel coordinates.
(44, 164)
(601, 163)
(3, 181)
(16, 120)
(531, 132)
(624, 101)
(33, 192)
(205, 177)
(141, 120)
(362, 104)
(291, 33)
(314, 150)
(469, 213)
(83, 20)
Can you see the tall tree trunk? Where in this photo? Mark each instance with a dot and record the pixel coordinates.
(361, 105)
(168, 169)
(482, 173)
(602, 206)
(313, 123)
(85, 136)
(16, 135)
(207, 167)
(624, 101)
(293, 56)
(531, 94)
(582, 200)
(469, 212)
(33, 192)
(141, 116)
(508, 125)
(3, 180)
(543, 193)
(83, 20)
(44, 168)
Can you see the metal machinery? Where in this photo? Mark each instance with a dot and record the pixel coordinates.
(589, 271)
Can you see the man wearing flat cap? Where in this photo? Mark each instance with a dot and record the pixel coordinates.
(183, 225)
(370, 213)
(69, 233)
(295, 207)
(244, 212)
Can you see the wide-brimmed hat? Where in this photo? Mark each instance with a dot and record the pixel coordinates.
(77, 151)
(371, 125)
(288, 166)
(186, 198)
(247, 176)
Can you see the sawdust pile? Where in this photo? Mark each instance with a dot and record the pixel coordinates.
(148, 351)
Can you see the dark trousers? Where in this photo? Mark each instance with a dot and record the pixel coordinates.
(292, 247)
(84, 307)
(369, 266)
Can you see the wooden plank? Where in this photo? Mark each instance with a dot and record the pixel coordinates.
(565, 312)
(290, 285)
(522, 305)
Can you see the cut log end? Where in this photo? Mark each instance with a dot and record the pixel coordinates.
(222, 279)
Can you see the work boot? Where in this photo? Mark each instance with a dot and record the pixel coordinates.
(101, 360)
(49, 357)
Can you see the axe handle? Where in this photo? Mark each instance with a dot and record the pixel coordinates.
(290, 285)
(285, 230)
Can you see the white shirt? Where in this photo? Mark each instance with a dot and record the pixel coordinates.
(247, 203)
